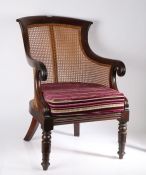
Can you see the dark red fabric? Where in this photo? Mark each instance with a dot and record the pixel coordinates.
(81, 98)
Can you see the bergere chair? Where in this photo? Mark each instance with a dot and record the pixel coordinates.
(71, 83)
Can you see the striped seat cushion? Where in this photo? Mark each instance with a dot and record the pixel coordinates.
(82, 98)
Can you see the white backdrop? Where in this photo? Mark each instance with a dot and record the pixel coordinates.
(118, 32)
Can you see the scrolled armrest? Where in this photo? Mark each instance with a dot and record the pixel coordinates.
(41, 104)
(40, 67)
(119, 67)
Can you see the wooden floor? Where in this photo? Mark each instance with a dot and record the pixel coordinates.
(94, 152)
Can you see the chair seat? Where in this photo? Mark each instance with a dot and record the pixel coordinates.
(82, 99)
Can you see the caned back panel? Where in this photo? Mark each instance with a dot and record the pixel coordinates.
(59, 47)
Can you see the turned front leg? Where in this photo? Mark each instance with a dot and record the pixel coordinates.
(46, 148)
(122, 138)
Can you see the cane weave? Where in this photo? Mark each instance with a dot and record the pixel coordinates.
(59, 47)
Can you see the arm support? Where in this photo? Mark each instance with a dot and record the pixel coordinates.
(117, 68)
(42, 105)
(40, 67)
(117, 65)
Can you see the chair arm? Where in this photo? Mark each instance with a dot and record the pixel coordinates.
(117, 68)
(42, 105)
(40, 74)
(117, 65)
(39, 66)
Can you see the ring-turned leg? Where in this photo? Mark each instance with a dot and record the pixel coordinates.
(77, 129)
(122, 138)
(32, 129)
(46, 148)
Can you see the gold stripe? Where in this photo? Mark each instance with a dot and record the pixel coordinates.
(82, 100)
(87, 108)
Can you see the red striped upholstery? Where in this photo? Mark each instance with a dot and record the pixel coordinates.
(82, 98)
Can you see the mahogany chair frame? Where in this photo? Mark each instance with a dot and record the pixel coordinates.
(41, 114)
